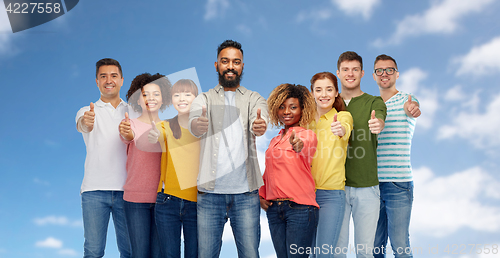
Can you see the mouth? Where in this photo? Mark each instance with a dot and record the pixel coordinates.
(151, 105)
(325, 101)
(181, 106)
(287, 118)
(109, 87)
(350, 80)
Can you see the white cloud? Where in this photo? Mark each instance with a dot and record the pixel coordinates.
(55, 220)
(316, 15)
(215, 8)
(480, 60)
(455, 94)
(445, 204)
(68, 252)
(480, 129)
(357, 7)
(50, 242)
(441, 18)
(244, 29)
(411, 82)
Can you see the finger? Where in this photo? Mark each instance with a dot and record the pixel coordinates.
(126, 117)
(153, 125)
(91, 107)
(204, 111)
(258, 113)
(335, 118)
(409, 98)
(292, 137)
(373, 114)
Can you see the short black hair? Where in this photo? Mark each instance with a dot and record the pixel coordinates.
(107, 61)
(385, 58)
(229, 43)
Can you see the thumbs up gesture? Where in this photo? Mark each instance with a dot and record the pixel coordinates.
(296, 142)
(412, 108)
(89, 118)
(259, 125)
(125, 130)
(376, 125)
(154, 133)
(199, 126)
(337, 128)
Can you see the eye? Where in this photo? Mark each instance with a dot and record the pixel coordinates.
(282, 107)
(237, 62)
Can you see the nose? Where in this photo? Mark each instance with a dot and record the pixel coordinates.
(287, 110)
(230, 65)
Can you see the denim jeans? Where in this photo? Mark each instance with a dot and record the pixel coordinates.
(396, 200)
(331, 216)
(243, 210)
(96, 207)
(364, 204)
(174, 214)
(142, 229)
(292, 228)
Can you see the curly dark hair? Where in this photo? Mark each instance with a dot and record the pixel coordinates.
(229, 43)
(285, 91)
(349, 56)
(142, 80)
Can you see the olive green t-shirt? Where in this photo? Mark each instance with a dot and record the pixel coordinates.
(361, 162)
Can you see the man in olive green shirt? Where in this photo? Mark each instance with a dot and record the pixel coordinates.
(362, 192)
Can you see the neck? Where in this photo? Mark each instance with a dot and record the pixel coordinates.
(348, 94)
(183, 120)
(115, 101)
(386, 94)
(148, 117)
(231, 89)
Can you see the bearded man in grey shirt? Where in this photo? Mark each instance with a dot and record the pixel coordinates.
(228, 118)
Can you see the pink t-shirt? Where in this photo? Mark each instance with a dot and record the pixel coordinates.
(288, 173)
(143, 165)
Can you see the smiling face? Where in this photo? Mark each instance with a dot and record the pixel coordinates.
(290, 112)
(385, 81)
(182, 101)
(151, 99)
(350, 74)
(324, 94)
(229, 65)
(109, 81)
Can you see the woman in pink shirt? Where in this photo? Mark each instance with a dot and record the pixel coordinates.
(288, 195)
(147, 94)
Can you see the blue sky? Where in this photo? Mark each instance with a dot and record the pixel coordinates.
(448, 54)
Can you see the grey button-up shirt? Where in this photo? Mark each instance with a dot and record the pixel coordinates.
(247, 103)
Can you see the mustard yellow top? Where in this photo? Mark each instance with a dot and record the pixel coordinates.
(328, 165)
(182, 155)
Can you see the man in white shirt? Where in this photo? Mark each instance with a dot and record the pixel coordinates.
(105, 172)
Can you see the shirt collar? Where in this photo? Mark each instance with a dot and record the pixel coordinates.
(329, 115)
(242, 90)
(101, 103)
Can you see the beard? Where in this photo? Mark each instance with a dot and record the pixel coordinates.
(232, 83)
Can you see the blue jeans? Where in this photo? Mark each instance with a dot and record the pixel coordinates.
(396, 199)
(331, 216)
(243, 210)
(142, 229)
(364, 204)
(292, 228)
(96, 207)
(172, 215)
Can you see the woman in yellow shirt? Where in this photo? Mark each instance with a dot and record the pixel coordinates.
(176, 199)
(333, 127)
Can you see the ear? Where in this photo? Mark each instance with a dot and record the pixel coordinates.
(362, 73)
(216, 68)
(338, 73)
(97, 82)
(374, 76)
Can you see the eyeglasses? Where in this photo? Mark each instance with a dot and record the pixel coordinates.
(389, 71)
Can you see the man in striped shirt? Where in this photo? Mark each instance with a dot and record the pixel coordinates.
(393, 158)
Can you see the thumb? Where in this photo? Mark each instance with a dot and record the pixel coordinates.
(335, 118)
(258, 113)
(292, 137)
(91, 107)
(153, 125)
(126, 117)
(409, 98)
(204, 111)
(373, 114)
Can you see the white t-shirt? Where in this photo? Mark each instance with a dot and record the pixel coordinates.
(106, 153)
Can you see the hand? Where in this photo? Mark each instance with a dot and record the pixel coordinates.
(199, 126)
(376, 125)
(153, 134)
(125, 130)
(296, 142)
(412, 109)
(259, 125)
(337, 128)
(89, 118)
(264, 204)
